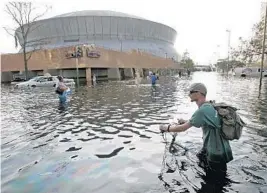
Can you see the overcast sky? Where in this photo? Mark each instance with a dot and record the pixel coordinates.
(201, 24)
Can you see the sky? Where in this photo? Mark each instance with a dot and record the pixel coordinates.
(200, 24)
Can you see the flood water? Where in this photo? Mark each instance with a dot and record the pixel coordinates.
(106, 138)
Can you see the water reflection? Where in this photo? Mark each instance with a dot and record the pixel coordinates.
(108, 135)
(62, 107)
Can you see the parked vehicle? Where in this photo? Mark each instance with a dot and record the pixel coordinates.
(44, 81)
(19, 77)
(250, 72)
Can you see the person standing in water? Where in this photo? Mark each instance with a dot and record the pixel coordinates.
(188, 72)
(180, 73)
(94, 79)
(60, 86)
(154, 79)
(216, 151)
(62, 90)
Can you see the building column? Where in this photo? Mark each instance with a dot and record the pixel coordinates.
(60, 72)
(141, 72)
(137, 72)
(45, 71)
(88, 74)
(114, 73)
(128, 72)
(6, 76)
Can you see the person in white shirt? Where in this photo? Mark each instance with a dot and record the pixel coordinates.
(94, 79)
(60, 87)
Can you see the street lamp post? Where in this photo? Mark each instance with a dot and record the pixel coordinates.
(263, 47)
(229, 36)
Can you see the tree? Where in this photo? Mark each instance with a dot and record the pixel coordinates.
(222, 64)
(249, 51)
(22, 14)
(186, 61)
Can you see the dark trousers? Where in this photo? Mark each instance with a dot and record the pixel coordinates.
(215, 179)
(211, 167)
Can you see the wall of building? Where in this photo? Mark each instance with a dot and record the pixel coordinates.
(56, 59)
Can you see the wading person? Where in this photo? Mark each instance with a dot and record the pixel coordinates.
(154, 79)
(216, 151)
(60, 89)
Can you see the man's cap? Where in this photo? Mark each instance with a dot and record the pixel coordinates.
(198, 87)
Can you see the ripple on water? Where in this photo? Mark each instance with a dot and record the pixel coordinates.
(108, 135)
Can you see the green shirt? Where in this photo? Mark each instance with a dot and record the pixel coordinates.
(218, 149)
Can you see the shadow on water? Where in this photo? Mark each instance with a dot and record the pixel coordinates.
(106, 138)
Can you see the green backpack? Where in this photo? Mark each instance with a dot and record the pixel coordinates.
(232, 124)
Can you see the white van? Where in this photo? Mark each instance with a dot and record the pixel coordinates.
(250, 72)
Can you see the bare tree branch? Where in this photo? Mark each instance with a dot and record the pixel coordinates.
(30, 29)
(34, 21)
(13, 15)
(18, 7)
(8, 31)
(25, 14)
(30, 54)
(30, 10)
(12, 34)
(36, 43)
(37, 40)
(22, 14)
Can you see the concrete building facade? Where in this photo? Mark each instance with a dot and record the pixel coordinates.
(121, 41)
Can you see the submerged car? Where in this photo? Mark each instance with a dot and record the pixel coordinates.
(45, 81)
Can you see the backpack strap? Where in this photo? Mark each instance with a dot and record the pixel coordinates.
(220, 105)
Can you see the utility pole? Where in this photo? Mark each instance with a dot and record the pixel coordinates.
(263, 46)
(229, 38)
(77, 66)
(120, 38)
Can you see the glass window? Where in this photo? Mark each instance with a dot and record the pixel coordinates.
(41, 79)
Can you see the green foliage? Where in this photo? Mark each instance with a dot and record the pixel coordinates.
(249, 50)
(186, 61)
(222, 65)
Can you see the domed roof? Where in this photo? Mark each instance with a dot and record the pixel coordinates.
(98, 13)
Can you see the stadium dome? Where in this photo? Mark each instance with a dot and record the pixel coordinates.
(107, 29)
(98, 13)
